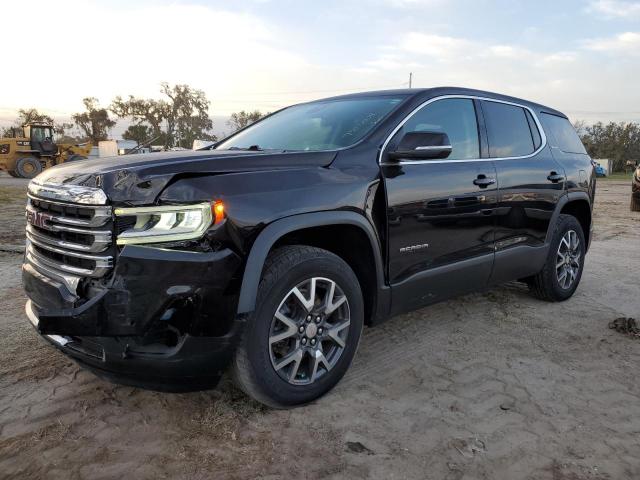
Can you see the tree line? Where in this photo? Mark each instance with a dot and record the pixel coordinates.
(178, 118)
(181, 115)
(619, 142)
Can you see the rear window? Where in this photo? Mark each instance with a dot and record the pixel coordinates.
(563, 135)
(508, 129)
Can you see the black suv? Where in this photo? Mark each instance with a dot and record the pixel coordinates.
(270, 250)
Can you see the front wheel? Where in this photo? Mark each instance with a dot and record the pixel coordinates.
(305, 330)
(635, 203)
(562, 271)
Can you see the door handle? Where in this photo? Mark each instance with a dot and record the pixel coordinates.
(555, 177)
(483, 181)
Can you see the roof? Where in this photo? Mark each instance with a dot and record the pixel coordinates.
(437, 91)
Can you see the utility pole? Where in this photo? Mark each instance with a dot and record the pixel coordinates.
(410, 78)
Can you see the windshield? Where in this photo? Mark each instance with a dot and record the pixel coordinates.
(323, 125)
(40, 134)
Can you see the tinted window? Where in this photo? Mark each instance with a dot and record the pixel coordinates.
(323, 125)
(563, 133)
(456, 117)
(508, 130)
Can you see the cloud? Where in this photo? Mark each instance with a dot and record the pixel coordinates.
(627, 43)
(565, 79)
(389, 62)
(615, 8)
(130, 50)
(556, 59)
(426, 46)
(437, 46)
(507, 51)
(412, 3)
(245, 61)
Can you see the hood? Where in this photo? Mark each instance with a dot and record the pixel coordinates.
(138, 179)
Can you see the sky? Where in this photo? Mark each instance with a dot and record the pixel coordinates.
(581, 57)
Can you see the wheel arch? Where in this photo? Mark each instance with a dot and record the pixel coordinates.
(578, 205)
(304, 229)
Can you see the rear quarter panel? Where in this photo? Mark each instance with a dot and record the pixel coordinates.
(579, 170)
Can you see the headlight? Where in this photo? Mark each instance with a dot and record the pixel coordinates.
(168, 223)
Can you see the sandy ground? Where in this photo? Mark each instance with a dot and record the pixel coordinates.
(12, 202)
(493, 385)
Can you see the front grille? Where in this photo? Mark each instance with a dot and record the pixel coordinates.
(69, 242)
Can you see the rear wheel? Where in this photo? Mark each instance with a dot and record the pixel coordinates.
(28, 167)
(562, 271)
(305, 330)
(13, 173)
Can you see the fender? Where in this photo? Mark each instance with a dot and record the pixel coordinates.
(276, 230)
(569, 197)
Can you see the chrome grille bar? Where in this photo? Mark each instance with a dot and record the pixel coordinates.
(101, 262)
(101, 239)
(68, 242)
(52, 270)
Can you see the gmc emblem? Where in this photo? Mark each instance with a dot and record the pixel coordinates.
(38, 219)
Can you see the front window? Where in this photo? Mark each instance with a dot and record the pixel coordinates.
(38, 134)
(41, 134)
(454, 116)
(316, 126)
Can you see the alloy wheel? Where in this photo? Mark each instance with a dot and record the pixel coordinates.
(568, 259)
(309, 331)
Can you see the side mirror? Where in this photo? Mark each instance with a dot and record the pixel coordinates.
(422, 146)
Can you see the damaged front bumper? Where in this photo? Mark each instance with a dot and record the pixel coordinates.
(165, 321)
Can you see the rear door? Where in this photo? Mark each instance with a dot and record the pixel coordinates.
(530, 184)
(440, 211)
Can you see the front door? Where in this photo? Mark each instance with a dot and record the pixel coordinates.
(440, 212)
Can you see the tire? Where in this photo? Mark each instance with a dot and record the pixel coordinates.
(28, 167)
(74, 158)
(260, 352)
(635, 203)
(550, 284)
(13, 173)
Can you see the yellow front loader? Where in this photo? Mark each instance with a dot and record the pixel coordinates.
(27, 155)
